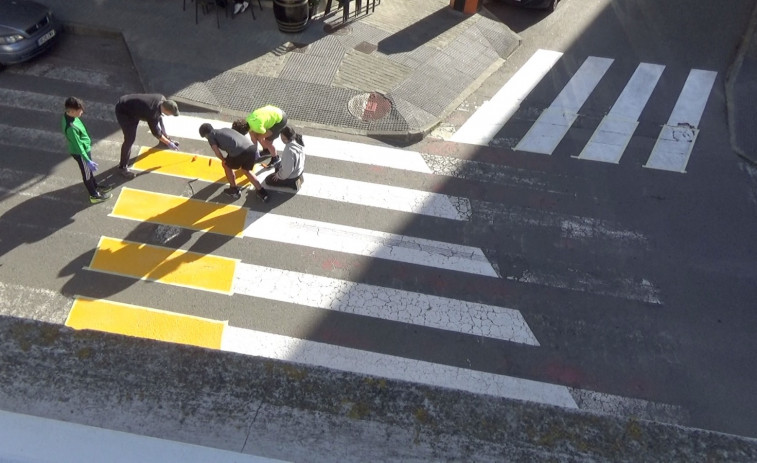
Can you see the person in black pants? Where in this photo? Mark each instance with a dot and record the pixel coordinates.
(150, 108)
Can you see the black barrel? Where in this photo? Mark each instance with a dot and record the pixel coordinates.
(291, 15)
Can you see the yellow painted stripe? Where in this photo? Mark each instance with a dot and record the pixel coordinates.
(165, 265)
(186, 165)
(143, 322)
(189, 213)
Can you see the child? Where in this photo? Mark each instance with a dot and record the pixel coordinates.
(80, 146)
(289, 171)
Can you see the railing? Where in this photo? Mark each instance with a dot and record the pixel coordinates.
(362, 8)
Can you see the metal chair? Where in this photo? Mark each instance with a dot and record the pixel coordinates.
(206, 5)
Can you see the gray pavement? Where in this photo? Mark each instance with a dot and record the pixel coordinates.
(741, 88)
(418, 58)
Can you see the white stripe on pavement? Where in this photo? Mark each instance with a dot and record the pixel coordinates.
(369, 243)
(552, 125)
(677, 137)
(489, 119)
(395, 158)
(384, 303)
(609, 141)
(26, 438)
(387, 366)
(381, 196)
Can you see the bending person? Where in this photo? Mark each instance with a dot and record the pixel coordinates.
(240, 153)
(264, 125)
(150, 108)
(289, 172)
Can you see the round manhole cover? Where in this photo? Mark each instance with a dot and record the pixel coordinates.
(369, 106)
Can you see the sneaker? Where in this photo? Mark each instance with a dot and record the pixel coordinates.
(244, 6)
(104, 188)
(99, 198)
(237, 8)
(298, 182)
(262, 194)
(233, 192)
(126, 172)
(275, 161)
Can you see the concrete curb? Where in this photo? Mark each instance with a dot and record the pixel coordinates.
(300, 413)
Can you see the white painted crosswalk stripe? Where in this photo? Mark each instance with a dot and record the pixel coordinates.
(384, 303)
(384, 197)
(609, 141)
(484, 124)
(552, 125)
(677, 137)
(364, 242)
(387, 366)
(395, 158)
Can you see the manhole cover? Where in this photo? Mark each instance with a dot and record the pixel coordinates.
(369, 106)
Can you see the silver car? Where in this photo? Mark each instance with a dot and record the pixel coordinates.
(27, 28)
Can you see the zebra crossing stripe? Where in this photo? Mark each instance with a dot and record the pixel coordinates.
(489, 119)
(145, 206)
(230, 220)
(395, 158)
(609, 141)
(113, 317)
(369, 243)
(191, 166)
(553, 123)
(384, 303)
(228, 276)
(131, 320)
(339, 358)
(676, 140)
(164, 265)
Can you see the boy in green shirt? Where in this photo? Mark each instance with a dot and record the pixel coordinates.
(80, 148)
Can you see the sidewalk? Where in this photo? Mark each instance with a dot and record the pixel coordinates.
(395, 72)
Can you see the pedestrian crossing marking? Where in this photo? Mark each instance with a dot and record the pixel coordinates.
(185, 165)
(133, 320)
(165, 265)
(191, 166)
(143, 322)
(193, 214)
(676, 140)
(553, 123)
(375, 155)
(232, 220)
(489, 119)
(609, 141)
(385, 303)
(369, 243)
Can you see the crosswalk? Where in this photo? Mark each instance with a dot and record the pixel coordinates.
(346, 215)
(610, 138)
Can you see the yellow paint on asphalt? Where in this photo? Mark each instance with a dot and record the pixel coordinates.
(144, 322)
(186, 165)
(165, 265)
(189, 213)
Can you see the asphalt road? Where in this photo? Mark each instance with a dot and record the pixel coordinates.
(637, 283)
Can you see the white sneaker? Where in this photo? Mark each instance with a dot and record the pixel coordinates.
(244, 6)
(238, 8)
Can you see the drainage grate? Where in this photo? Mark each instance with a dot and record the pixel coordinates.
(369, 106)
